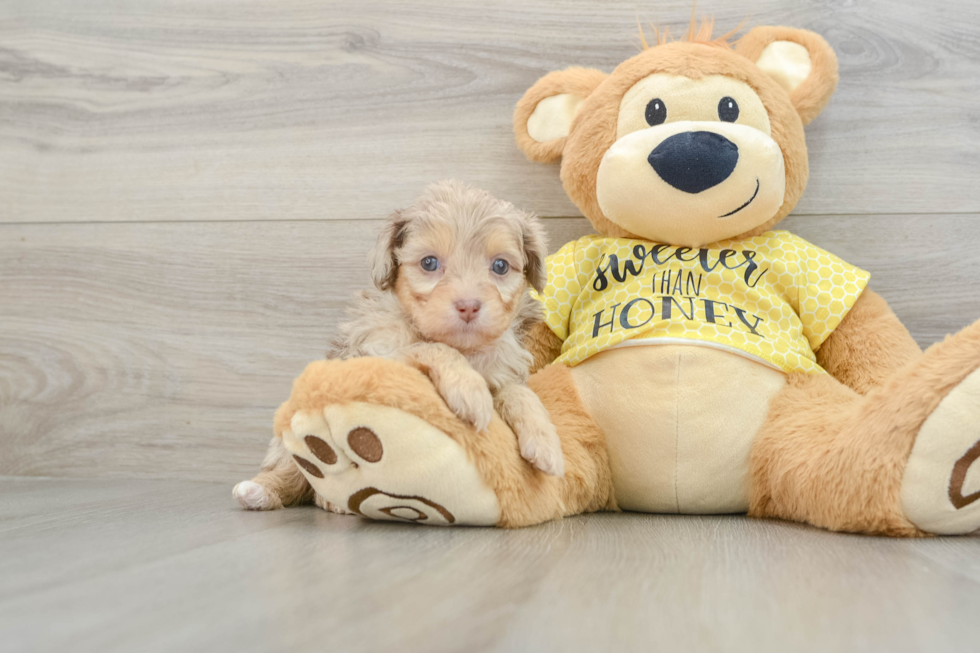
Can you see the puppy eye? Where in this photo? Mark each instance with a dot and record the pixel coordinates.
(500, 266)
(728, 109)
(656, 112)
(430, 264)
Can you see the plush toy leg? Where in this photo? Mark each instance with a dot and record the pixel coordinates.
(374, 437)
(896, 461)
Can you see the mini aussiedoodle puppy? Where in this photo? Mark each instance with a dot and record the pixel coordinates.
(451, 275)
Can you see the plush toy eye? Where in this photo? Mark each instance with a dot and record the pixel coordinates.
(430, 264)
(728, 109)
(500, 266)
(656, 112)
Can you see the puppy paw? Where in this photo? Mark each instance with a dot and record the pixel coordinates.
(541, 446)
(253, 496)
(468, 396)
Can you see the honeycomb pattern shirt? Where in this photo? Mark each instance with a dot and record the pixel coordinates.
(773, 298)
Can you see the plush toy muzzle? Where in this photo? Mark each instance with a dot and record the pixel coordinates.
(690, 182)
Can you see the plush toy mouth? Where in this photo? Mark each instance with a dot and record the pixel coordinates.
(731, 213)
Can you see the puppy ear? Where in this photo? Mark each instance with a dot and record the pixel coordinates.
(800, 61)
(543, 117)
(384, 264)
(535, 246)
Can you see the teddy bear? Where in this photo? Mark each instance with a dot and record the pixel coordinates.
(693, 358)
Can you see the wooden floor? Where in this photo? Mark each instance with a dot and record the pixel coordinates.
(97, 565)
(188, 191)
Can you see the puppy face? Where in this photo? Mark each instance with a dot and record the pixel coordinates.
(459, 261)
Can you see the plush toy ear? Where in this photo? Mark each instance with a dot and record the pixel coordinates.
(801, 61)
(544, 115)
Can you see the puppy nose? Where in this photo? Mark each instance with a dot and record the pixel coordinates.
(694, 161)
(467, 309)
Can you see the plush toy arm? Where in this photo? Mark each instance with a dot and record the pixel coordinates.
(868, 346)
(543, 344)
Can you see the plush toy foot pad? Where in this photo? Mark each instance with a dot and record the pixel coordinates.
(383, 463)
(941, 486)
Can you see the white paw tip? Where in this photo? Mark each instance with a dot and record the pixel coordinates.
(552, 467)
(550, 463)
(252, 496)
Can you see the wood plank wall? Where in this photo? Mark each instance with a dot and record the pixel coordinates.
(188, 189)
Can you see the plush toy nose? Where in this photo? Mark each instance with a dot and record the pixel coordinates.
(467, 309)
(694, 161)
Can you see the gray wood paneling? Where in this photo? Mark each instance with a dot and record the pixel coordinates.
(168, 566)
(136, 110)
(161, 350)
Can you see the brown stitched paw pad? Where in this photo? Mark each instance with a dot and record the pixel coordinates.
(321, 449)
(370, 501)
(957, 480)
(365, 443)
(309, 467)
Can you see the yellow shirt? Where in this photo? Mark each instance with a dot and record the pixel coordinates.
(774, 297)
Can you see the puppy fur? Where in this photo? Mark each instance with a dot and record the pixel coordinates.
(451, 274)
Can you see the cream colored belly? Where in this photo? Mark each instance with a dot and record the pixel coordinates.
(679, 422)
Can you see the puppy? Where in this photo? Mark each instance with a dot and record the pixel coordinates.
(451, 275)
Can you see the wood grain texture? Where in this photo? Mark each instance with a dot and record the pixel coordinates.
(137, 110)
(188, 190)
(168, 566)
(161, 350)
